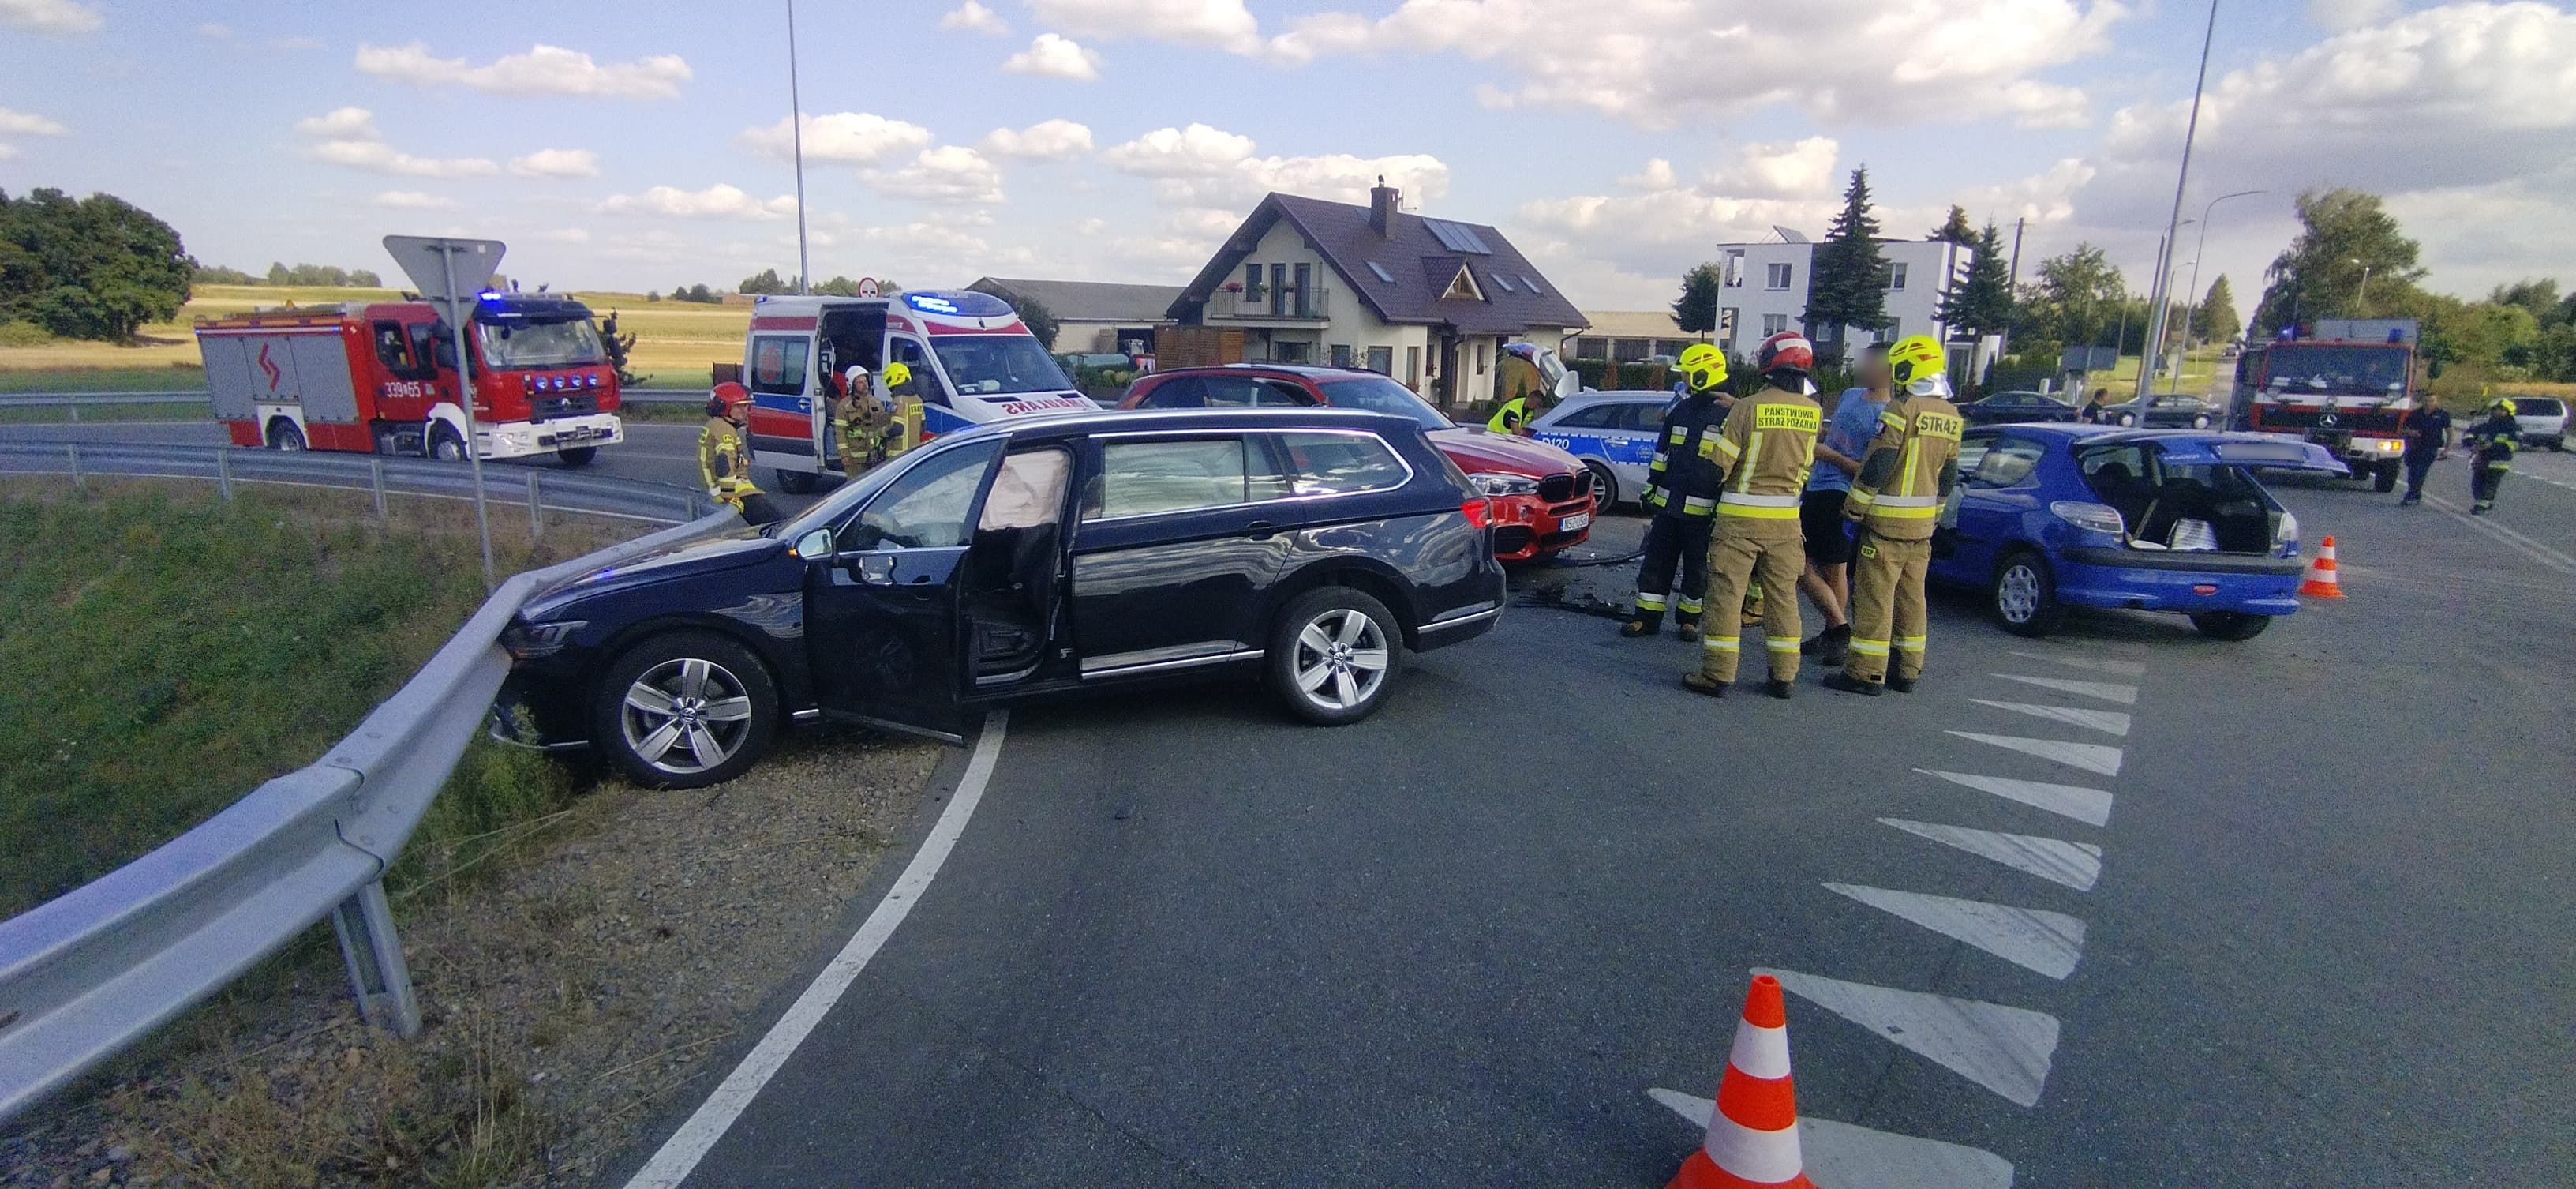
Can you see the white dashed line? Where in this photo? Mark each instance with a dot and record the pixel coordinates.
(2091, 757)
(2004, 1049)
(2089, 806)
(2109, 722)
(2549, 559)
(1849, 1156)
(2095, 664)
(2126, 695)
(2047, 942)
(2075, 864)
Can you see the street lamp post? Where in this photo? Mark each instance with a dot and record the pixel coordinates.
(2182, 179)
(2200, 253)
(796, 136)
(2361, 300)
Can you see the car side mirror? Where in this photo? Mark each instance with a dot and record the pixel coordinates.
(816, 544)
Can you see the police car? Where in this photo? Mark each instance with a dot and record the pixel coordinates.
(1613, 433)
(972, 361)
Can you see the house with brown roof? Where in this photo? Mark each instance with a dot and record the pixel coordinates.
(1428, 301)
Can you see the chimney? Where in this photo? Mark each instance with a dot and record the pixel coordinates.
(1382, 208)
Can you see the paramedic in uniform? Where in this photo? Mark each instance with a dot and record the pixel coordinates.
(1765, 450)
(724, 460)
(1909, 470)
(1681, 497)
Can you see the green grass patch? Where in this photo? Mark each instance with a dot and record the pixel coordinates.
(183, 378)
(62, 414)
(166, 652)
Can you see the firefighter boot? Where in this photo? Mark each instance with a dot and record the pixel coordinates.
(1687, 618)
(1648, 618)
(1850, 684)
(1830, 647)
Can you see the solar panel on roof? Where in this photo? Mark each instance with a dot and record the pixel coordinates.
(1457, 237)
(1381, 272)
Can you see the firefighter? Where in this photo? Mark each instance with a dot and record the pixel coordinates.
(724, 462)
(1765, 450)
(1681, 497)
(862, 421)
(904, 431)
(1904, 478)
(2494, 441)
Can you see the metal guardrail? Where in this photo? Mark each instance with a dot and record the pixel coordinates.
(76, 401)
(90, 973)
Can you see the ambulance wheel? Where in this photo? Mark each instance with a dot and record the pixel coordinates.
(2231, 625)
(577, 456)
(2024, 596)
(445, 445)
(1605, 486)
(2384, 479)
(795, 482)
(282, 435)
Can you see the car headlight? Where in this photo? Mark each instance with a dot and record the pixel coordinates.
(2099, 518)
(2386, 446)
(1493, 484)
(527, 641)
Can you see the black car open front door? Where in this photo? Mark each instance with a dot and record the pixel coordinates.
(883, 623)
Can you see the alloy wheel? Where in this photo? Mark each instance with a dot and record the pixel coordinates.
(686, 715)
(1341, 659)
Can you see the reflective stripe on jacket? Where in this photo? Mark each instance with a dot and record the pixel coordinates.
(1681, 479)
(1923, 433)
(1766, 449)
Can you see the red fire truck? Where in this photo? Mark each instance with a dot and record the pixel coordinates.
(2341, 390)
(382, 379)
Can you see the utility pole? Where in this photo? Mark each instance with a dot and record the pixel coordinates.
(2193, 296)
(2012, 291)
(796, 136)
(2182, 179)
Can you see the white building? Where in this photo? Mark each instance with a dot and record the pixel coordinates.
(1766, 289)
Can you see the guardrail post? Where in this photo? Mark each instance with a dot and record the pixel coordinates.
(364, 924)
(78, 480)
(224, 472)
(536, 498)
(75, 408)
(376, 480)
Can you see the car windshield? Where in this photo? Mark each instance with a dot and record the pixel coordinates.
(2344, 370)
(1377, 394)
(992, 364)
(515, 344)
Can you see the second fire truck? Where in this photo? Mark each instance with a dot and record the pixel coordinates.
(2349, 389)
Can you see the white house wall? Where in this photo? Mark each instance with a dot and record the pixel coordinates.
(1928, 265)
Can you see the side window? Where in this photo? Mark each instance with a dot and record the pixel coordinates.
(778, 364)
(1279, 394)
(1340, 464)
(1229, 392)
(1972, 450)
(926, 508)
(1152, 478)
(1600, 416)
(2007, 462)
(925, 378)
(392, 349)
(1180, 392)
(1382, 360)
(1028, 491)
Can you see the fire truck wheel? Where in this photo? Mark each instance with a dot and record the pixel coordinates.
(2384, 479)
(282, 435)
(445, 445)
(795, 482)
(577, 456)
(684, 710)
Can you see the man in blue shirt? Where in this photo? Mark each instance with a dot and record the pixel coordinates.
(1838, 453)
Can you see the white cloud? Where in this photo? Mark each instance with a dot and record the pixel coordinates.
(2340, 15)
(719, 201)
(852, 137)
(1197, 150)
(1218, 24)
(1091, 226)
(58, 17)
(8, 151)
(1657, 175)
(1054, 55)
(341, 123)
(1788, 169)
(215, 32)
(567, 235)
(19, 123)
(298, 43)
(557, 163)
(949, 173)
(414, 200)
(543, 70)
(1200, 166)
(975, 18)
(1047, 140)
(348, 137)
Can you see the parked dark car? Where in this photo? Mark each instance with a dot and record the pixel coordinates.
(1543, 497)
(2162, 410)
(1030, 556)
(2005, 407)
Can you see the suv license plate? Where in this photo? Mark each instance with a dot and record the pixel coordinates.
(1579, 520)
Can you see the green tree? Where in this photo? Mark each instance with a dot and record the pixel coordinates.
(2540, 297)
(838, 286)
(1696, 308)
(2344, 235)
(216, 274)
(766, 281)
(2078, 298)
(2484, 335)
(1955, 229)
(1040, 319)
(92, 268)
(1847, 284)
(1981, 303)
(2215, 318)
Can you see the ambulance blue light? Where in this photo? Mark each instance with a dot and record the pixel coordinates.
(958, 304)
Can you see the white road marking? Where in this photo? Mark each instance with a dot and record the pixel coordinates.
(2077, 865)
(2092, 757)
(2047, 942)
(2115, 668)
(1849, 1156)
(2004, 1049)
(679, 1155)
(2109, 722)
(2548, 558)
(2089, 806)
(2126, 695)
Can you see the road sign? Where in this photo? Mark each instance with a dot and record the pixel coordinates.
(451, 273)
(867, 286)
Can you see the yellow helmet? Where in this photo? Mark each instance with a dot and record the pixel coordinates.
(1703, 366)
(2505, 404)
(1919, 366)
(896, 376)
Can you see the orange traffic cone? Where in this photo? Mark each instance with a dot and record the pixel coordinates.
(1753, 1131)
(2322, 583)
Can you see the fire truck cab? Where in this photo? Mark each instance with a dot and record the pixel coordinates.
(972, 361)
(382, 379)
(2344, 392)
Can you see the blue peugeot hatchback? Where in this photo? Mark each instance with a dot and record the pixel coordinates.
(2047, 517)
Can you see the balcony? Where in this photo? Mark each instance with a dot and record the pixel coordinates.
(1291, 307)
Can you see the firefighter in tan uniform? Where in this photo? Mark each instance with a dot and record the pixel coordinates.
(862, 421)
(904, 431)
(724, 459)
(1904, 478)
(1765, 449)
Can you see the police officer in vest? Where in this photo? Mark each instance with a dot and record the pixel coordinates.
(1681, 497)
(1765, 449)
(1908, 472)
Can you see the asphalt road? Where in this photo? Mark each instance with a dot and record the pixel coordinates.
(2292, 912)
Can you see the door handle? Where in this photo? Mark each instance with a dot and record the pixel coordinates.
(1260, 530)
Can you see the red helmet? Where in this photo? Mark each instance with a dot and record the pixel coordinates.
(1787, 349)
(727, 397)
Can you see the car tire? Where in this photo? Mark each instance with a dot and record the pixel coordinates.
(2231, 625)
(284, 436)
(2200, 422)
(795, 482)
(646, 691)
(577, 456)
(2128, 420)
(1319, 650)
(2023, 596)
(444, 444)
(2383, 478)
(1605, 486)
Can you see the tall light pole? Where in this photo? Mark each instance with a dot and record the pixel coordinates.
(796, 135)
(2361, 300)
(2192, 295)
(2182, 179)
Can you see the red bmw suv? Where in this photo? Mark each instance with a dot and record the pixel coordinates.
(1542, 496)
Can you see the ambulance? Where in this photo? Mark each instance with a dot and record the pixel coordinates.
(972, 361)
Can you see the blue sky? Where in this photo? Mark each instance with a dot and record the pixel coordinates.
(1615, 140)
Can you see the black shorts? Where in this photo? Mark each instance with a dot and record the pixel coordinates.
(1820, 515)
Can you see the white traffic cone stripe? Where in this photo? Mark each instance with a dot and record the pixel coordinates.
(1761, 1052)
(1762, 1157)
